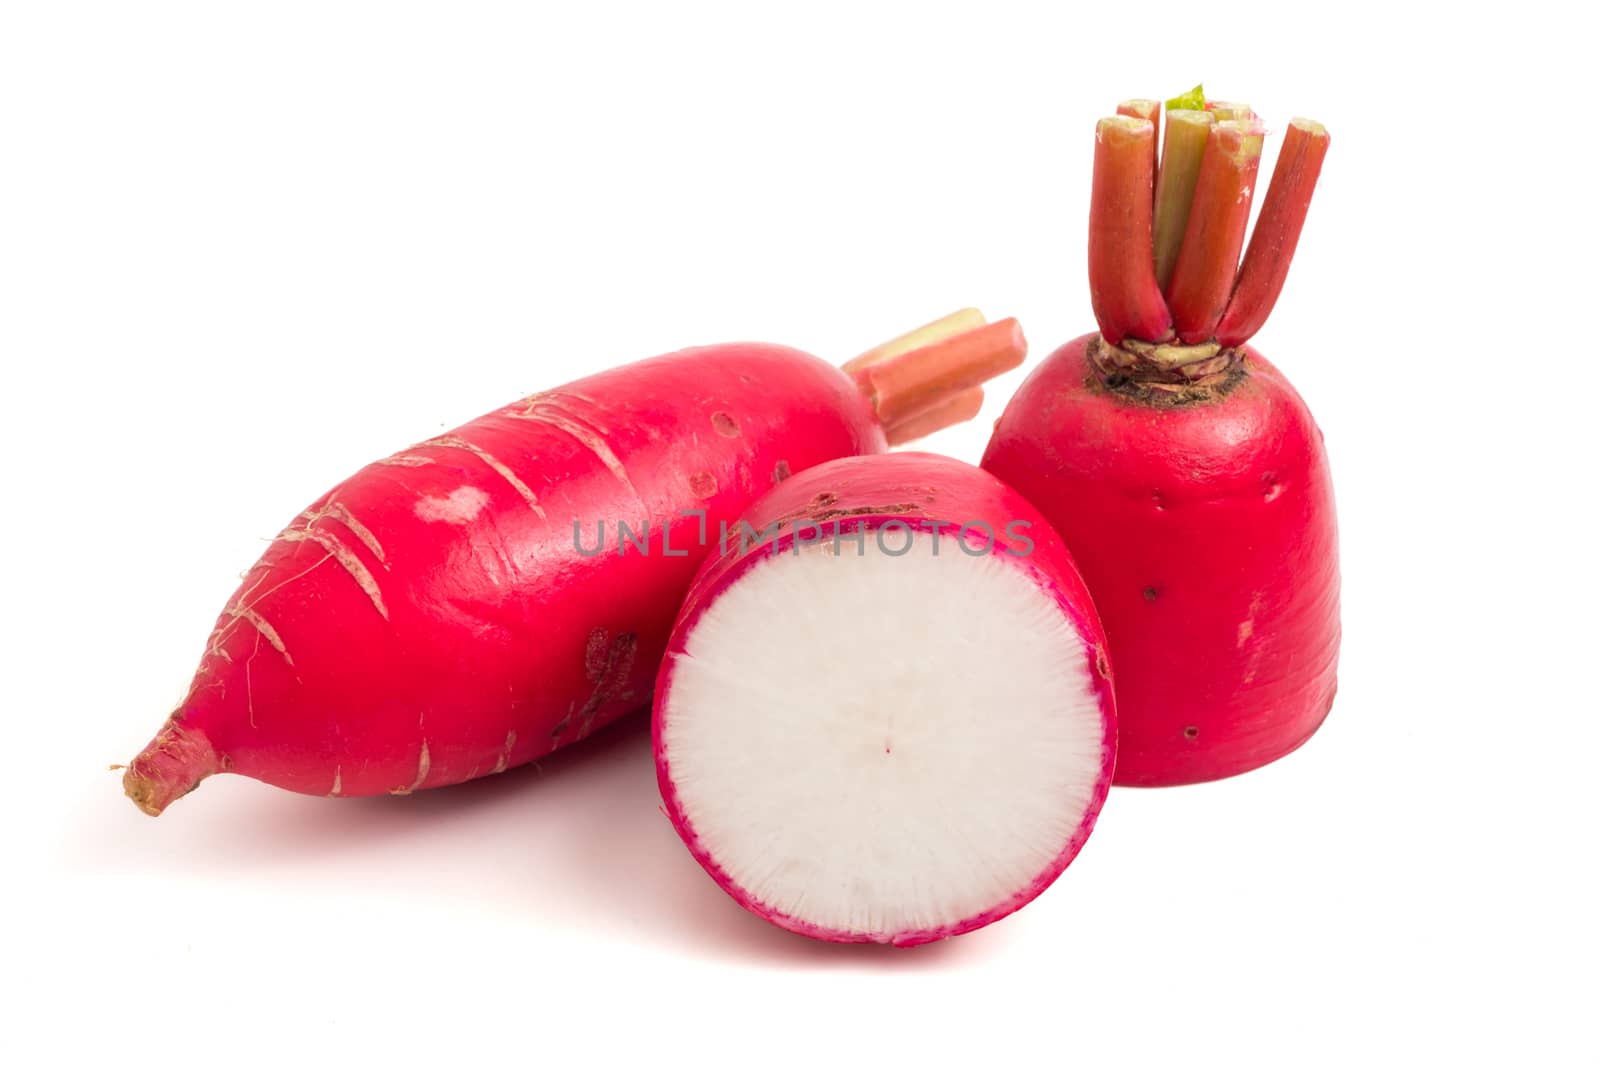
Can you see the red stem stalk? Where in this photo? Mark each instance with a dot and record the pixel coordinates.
(1122, 276)
(959, 408)
(1180, 168)
(916, 383)
(1272, 245)
(1150, 110)
(1202, 281)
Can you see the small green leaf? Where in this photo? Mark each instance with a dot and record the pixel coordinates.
(1193, 100)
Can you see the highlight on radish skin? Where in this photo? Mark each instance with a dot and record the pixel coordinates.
(919, 739)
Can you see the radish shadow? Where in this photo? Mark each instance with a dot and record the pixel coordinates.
(577, 840)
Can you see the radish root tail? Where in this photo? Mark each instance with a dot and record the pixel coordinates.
(171, 765)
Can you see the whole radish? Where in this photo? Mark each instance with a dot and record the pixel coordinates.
(1181, 468)
(477, 600)
(886, 710)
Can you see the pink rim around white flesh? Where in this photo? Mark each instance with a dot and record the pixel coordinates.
(865, 746)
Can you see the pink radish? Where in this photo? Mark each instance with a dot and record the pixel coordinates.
(445, 613)
(885, 712)
(1186, 475)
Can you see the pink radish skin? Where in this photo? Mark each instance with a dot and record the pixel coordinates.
(429, 620)
(927, 493)
(1206, 531)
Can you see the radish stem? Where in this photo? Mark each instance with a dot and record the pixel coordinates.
(1202, 281)
(1180, 167)
(1122, 278)
(958, 409)
(1228, 111)
(924, 335)
(917, 382)
(1272, 245)
(1151, 111)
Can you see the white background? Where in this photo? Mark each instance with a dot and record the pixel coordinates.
(246, 248)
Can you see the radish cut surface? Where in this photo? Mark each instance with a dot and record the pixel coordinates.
(889, 737)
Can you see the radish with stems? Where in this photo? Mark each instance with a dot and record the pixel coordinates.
(457, 609)
(886, 713)
(1190, 481)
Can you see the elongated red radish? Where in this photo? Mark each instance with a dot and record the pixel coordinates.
(1122, 286)
(885, 713)
(480, 599)
(1202, 279)
(1191, 484)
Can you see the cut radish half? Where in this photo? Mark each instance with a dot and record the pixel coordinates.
(889, 719)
